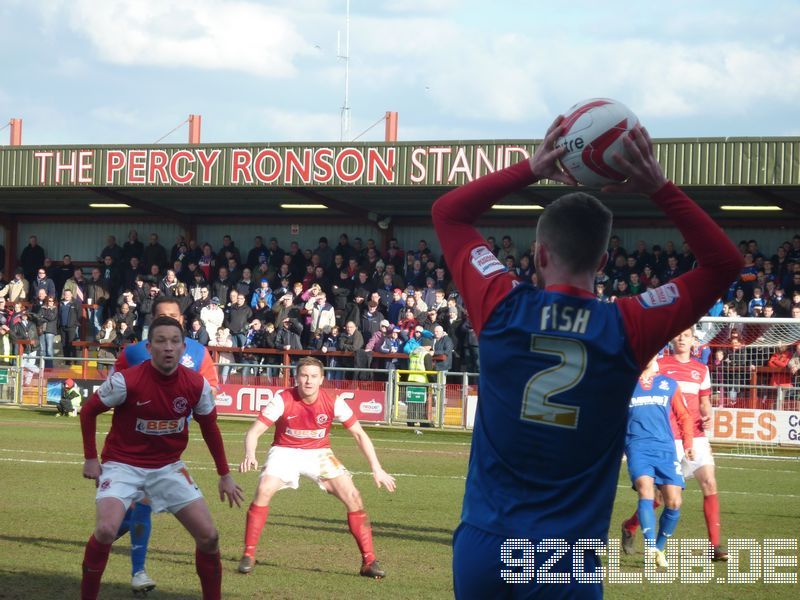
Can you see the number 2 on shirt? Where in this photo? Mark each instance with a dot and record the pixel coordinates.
(565, 375)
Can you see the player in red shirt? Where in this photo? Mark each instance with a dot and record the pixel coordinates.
(695, 382)
(302, 417)
(142, 451)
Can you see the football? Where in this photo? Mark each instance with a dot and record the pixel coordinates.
(593, 133)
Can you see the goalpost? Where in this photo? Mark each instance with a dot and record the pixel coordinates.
(755, 377)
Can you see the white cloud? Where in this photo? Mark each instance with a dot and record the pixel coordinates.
(202, 34)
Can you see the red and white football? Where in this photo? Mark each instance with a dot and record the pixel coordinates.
(593, 132)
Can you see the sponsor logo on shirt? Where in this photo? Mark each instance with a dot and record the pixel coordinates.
(314, 434)
(486, 263)
(160, 426)
(662, 296)
(180, 404)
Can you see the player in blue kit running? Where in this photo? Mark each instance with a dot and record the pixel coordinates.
(138, 518)
(558, 369)
(652, 458)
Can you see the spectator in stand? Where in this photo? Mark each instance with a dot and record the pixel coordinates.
(324, 252)
(18, 288)
(442, 345)
(69, 320)
(97, 299)
(154, 276)
(258, 253)
(178, 250)
(126, 314)
(131, 271)
(202, 298)
(245, 285)
(793, 282)
(112, 249)
(237, 316)
(793, 254)
(263, 292)
(757, 302)
(107, 334)
(642, 256)
(409, 322)
(321, 312)
(672, 271)
(507, 249)
(288, 335)
(740, 304)
(222, 286)
(780, 303)
(276, 254)
(371, 320)
(297, 262)
(747, 276)
(431, 320)
(207, 263)
(24, 332)
(350, 340)
(621, 289)
(110, 274)
(493, 245)
(168, 283)
(615, 249)
(224, 359)
(42, 282)
(133, 247)
(330, 342)
(525, 268)
(254, 338)
(32, 258)
(125, 334)
(686, 260)
(154, 254)
(229, 249)
(184, 299)
(145, 316)
(635, 284)
(45, 315)
(344, 248)
(395, 306)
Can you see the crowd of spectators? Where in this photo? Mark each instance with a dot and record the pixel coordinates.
(352, 297)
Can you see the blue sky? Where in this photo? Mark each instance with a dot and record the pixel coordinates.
(127, 72)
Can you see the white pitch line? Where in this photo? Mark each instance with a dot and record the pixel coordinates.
(365, 473)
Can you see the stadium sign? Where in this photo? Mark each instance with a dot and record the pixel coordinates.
(756, 426)
(249, 400)
(257, 165)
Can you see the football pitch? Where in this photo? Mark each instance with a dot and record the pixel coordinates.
(306, 551)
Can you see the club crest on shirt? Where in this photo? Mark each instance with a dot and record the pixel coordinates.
(322, 419)
(485, 263)
(664, 385)
(180, 404)
(187, 361)
(695, 375)
(661, 296)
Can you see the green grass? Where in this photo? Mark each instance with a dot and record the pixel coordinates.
(306, 551)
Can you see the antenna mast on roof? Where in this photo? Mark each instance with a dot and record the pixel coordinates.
(344, 133)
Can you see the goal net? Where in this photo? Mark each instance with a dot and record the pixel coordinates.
(754, 364)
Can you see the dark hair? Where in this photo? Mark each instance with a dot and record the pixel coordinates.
(576, 228)
(163, 322)
(164, 300)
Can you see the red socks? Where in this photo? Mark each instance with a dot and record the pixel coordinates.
(209, 570)
(95, 557)
(711, 512)
(362, 530)
(632, 524)
(256, 517)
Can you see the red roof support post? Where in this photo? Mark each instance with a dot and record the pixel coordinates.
(194, 128)
(16, 132)
(391, 126)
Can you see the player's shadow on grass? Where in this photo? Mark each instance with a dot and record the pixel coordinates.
(35, 585)
(434, 535)
(120, 548)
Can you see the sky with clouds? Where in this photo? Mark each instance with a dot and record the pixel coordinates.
(129, 71)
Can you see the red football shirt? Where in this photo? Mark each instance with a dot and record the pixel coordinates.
(695, 382)
(302, 425)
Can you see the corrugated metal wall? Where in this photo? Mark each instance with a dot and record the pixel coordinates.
(768, 239)
(307, 236)
(84, 241)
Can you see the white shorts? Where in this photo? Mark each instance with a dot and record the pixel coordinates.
(702, 456)
(169, 488)
(318, 464)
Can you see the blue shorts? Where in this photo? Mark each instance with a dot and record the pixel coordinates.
(478, 568)
(662, 466)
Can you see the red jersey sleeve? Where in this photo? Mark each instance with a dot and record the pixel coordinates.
(658, 315)
(480, 277)
(682, 418)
